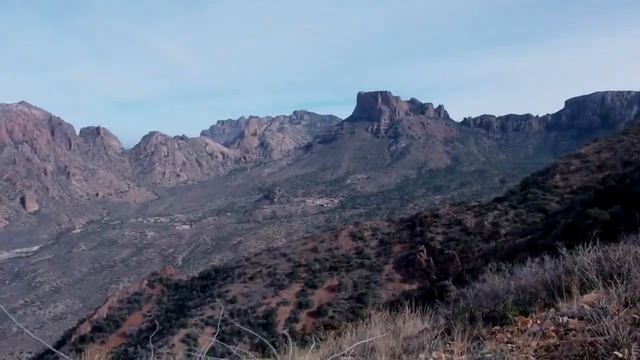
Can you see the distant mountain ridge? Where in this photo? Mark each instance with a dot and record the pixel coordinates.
(43, 155)
(589, 112)
(388, 140)
(269, 138)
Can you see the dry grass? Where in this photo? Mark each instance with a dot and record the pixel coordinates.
(94, 355)
(584, 304)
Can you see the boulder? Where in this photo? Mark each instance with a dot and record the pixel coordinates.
(29, 202)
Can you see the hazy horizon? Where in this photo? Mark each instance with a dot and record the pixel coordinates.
(181, 66)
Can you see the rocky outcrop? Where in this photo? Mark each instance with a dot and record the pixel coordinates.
(379, 106)
(383, 106)
(44, 161)
(163, 160)
(41, 152)
(269, 138)
(101, 140)
(601, 111)
(383, 109)
(507, 124)
(29, 202)
(384, 132)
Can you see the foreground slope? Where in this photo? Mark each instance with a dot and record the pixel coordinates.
(322, 281)
(583, 304)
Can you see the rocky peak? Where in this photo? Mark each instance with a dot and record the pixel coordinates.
(97, 136)
(507, 123)
(42, 152)
(609, 109)
(601, 111)
(271, 137)
(301, 114)
(442, 113)
(225, 131)
(383, 107)
(21, 106)
(23, 123)
(384, 111)
(152, 139)
(379, 106)
(159, 159)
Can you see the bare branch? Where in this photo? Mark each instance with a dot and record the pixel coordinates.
(356, 345)
(33, 336)
(196, 356)
(290, 344)
(273, 349)
(235, 349)
(313, 345)
(215, 336)
(151, 339)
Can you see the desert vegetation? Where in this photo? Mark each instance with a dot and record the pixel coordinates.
(582, 304)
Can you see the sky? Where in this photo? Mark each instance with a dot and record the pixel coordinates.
(179, 66)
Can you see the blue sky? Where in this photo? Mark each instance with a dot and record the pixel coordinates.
(178, 66)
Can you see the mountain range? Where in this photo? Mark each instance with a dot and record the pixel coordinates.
(319, 282)
(291, 196)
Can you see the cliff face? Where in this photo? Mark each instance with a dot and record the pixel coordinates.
(162, 160)
(42, 155)
(269, 138)
(606, 110)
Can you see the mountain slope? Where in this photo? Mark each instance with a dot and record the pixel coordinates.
(390, 143)
(163, 160)
(321, 281)
(43, 159)
(564, 307)
(41, 155)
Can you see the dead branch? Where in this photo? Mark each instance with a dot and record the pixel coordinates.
(356, 345)
(32, 335)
